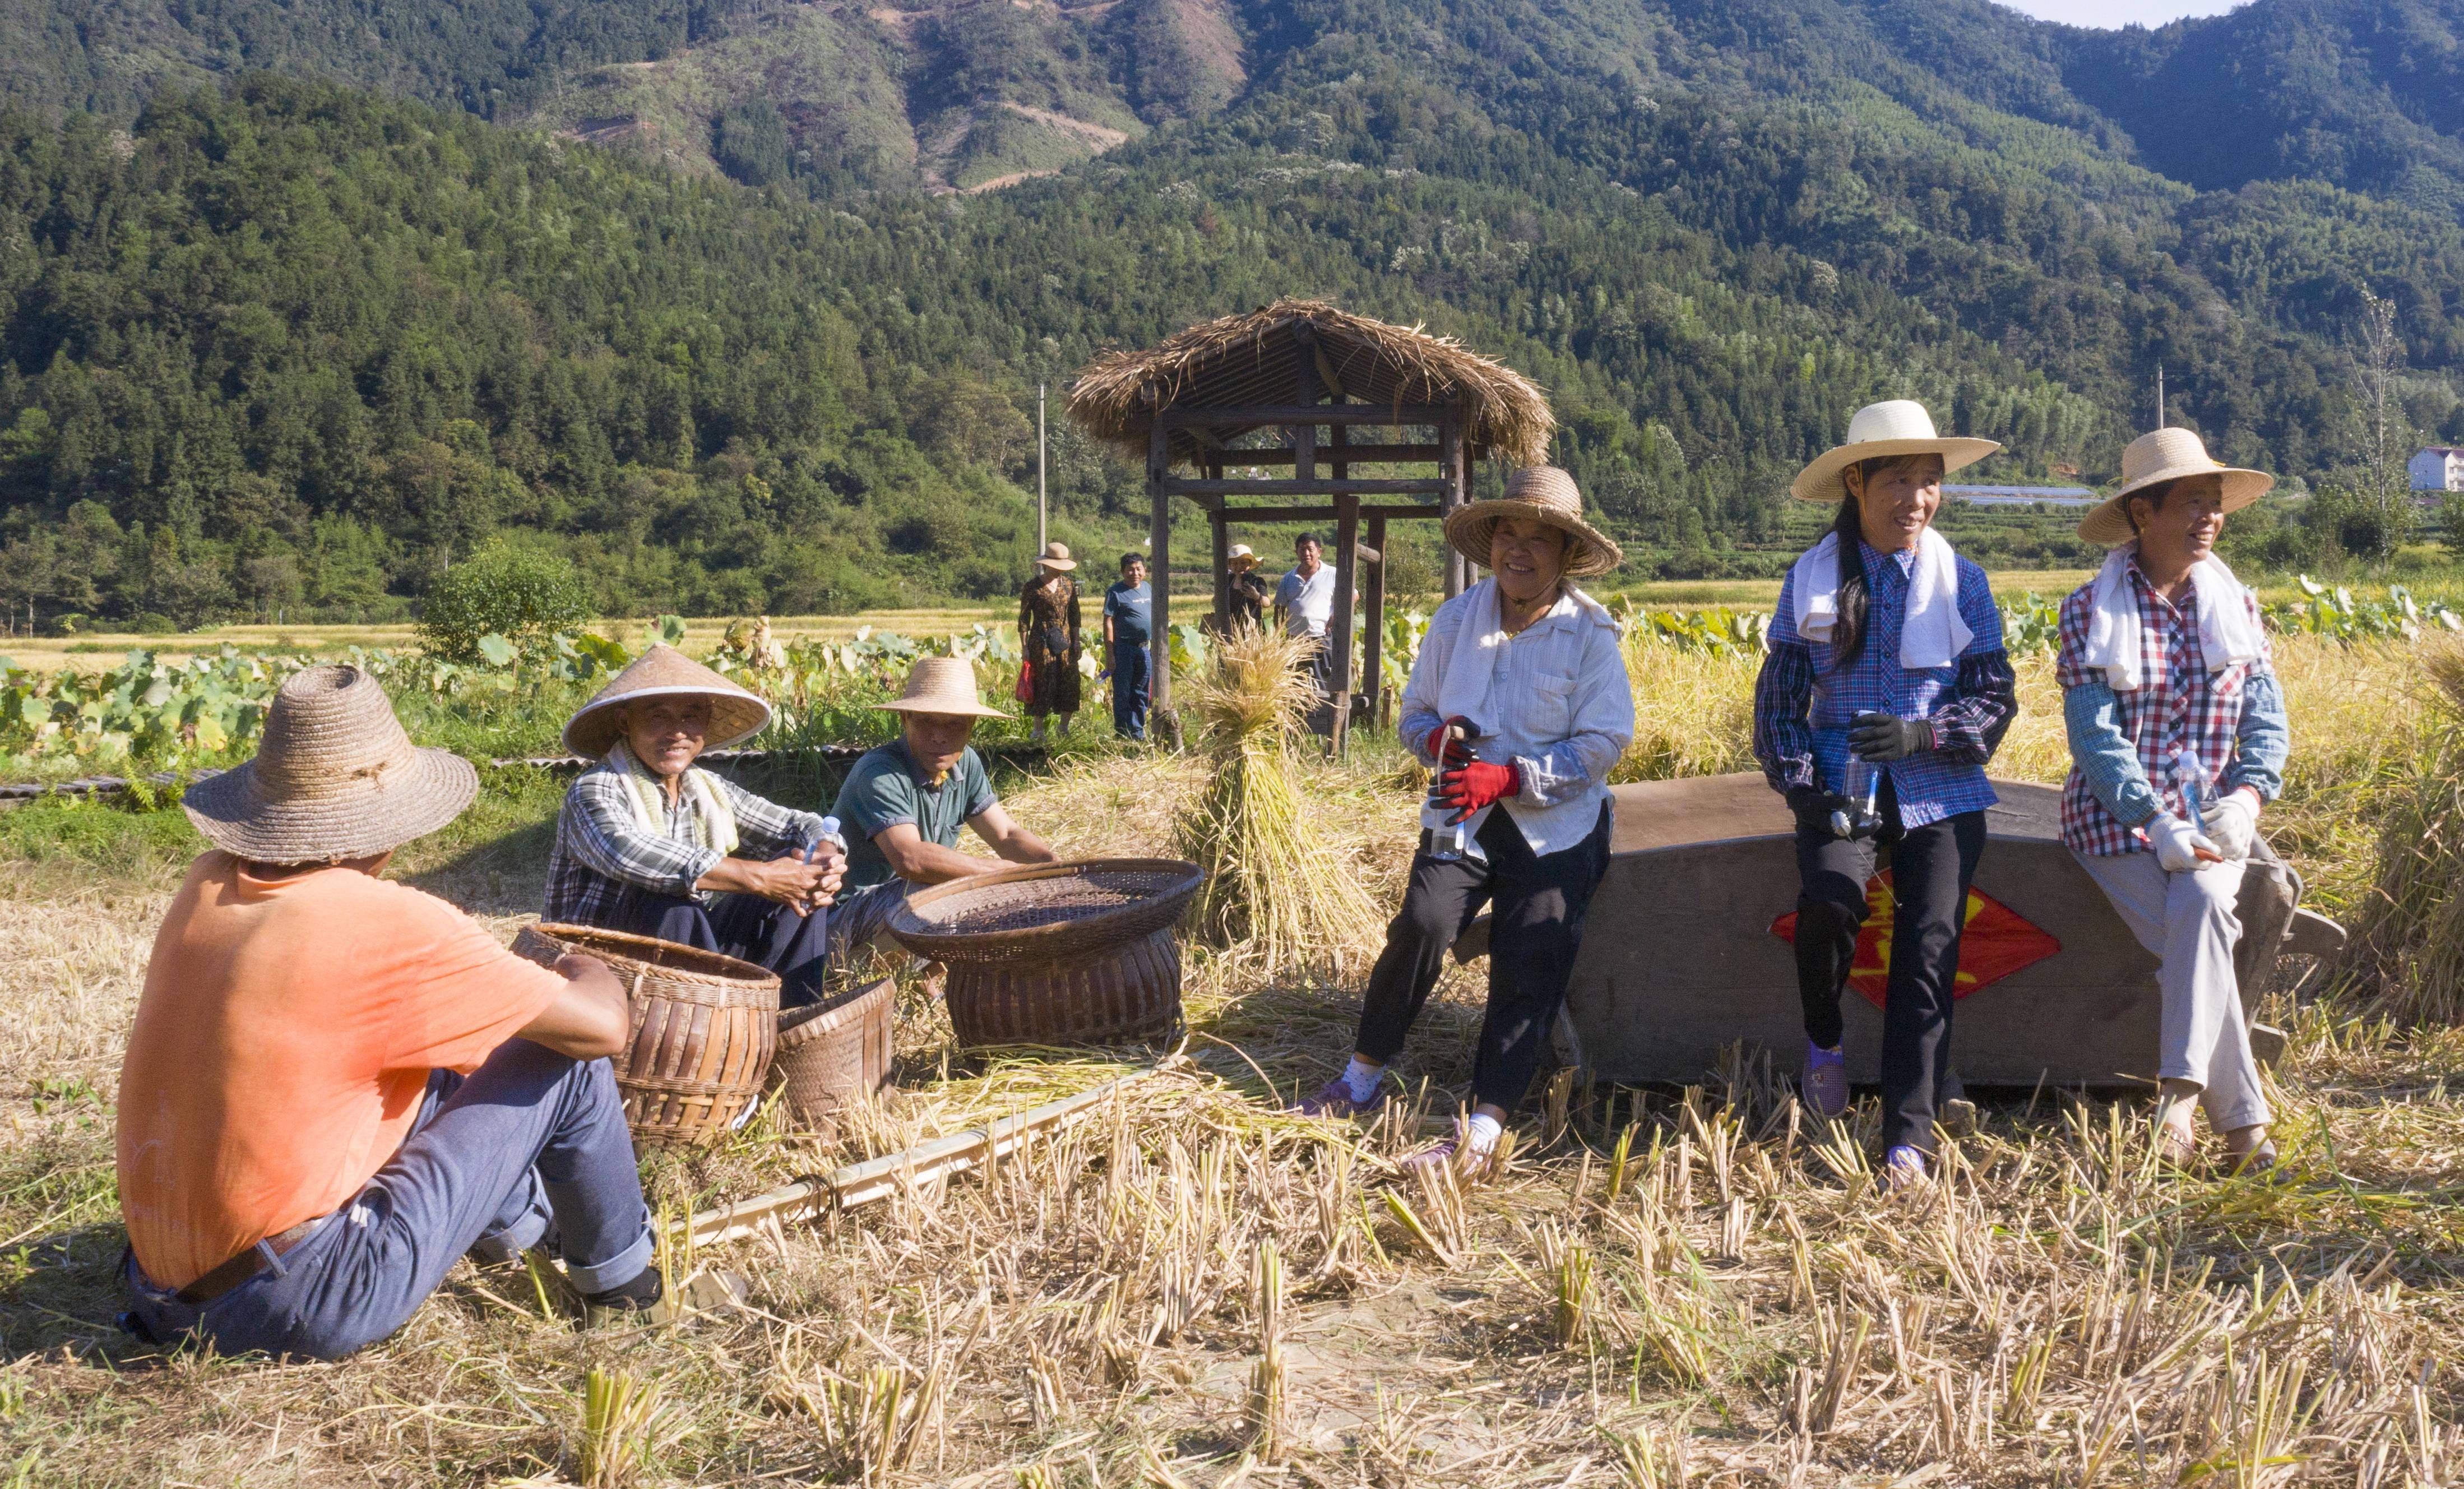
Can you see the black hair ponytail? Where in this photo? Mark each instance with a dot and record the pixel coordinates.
(1848, 632)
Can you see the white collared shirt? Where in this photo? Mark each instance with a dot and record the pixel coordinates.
(1563, 711)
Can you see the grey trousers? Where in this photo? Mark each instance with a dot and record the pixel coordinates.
(2187, 919)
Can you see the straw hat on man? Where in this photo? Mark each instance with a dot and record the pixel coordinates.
(652, 844)
(905, 802)
(336, 1084)
(2178, 735)
(1520, 671)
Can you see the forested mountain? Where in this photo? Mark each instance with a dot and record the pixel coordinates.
(710, 307)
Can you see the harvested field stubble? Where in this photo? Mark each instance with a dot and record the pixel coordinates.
(1192, 1288)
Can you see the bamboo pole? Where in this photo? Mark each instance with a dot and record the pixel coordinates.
(879, 1178)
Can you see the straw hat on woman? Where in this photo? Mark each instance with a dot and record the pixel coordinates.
(651, 843)
(1521, 669)
(1048, 634)
(2178, 735)
(1884, 691)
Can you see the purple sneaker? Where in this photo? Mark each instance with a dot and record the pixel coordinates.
(1336, 1099)
(1824, 1085)
(1903, 1168)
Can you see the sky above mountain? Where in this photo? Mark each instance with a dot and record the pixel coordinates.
(2112, 14)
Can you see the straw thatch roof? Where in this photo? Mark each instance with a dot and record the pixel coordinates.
(1254, 360)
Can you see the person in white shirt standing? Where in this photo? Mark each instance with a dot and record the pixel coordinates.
(1519, 700)
(1305, 605)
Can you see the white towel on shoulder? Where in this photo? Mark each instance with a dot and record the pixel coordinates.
(1463, 692)
(2227, 634)
(1932, 634)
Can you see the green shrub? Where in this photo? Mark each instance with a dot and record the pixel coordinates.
(524, 596)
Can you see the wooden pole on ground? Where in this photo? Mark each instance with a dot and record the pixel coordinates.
(1372, 634)
(1450, 466)
(1347, 568)
(1221, 525)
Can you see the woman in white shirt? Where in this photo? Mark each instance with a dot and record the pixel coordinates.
(1520, 701)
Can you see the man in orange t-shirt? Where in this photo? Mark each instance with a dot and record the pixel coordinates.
(336, 1087)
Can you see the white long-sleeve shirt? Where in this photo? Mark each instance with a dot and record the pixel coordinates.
(1561, 708)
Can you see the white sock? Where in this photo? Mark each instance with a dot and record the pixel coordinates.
(1481, 1134)
(1361, 1079)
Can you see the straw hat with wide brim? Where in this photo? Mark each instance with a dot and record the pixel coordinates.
(1545, 494)
(1241, 557)
(1056, 558)
(942, 686)
(735, 715)
(2161, 456)
(1881, 432)
(334, 778)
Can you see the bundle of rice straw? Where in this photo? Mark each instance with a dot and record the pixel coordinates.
(1277, 891)
(2407, 953)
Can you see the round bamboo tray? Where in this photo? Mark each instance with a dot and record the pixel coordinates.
(832, 1053)
(703, 1027)
(1076, 954)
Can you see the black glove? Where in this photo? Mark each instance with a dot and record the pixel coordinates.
(1813, 807)
(1881, 737)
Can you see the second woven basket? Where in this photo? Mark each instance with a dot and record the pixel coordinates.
(831, 1054)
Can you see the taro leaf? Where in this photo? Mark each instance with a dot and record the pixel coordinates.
(155, 694)
(210, 737)
(498, 650)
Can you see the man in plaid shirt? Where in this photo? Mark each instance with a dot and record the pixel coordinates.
(651, 843)
(2178, 738)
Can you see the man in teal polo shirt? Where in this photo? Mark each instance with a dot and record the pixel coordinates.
(904, 803)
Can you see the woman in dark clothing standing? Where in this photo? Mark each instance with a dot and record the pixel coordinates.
(1885, 691)
(1047, 632)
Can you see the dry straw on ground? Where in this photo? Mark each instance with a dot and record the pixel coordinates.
(1662, 1290)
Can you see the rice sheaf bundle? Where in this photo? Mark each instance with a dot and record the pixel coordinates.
(2407, 953)
(1277, 891)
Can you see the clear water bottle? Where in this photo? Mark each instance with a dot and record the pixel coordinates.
(1449, 842)
(1861, 782)
(2193, 785)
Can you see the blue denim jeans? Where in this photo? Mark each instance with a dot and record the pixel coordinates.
(530, 1147)
(1129, 667)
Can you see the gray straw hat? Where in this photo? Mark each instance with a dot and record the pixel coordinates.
(334, 778)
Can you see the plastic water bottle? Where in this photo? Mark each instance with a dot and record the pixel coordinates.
(830, 834)
(2191, 784)
(1862, 785)
(1450, 842)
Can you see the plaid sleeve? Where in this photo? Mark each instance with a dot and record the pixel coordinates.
(2070, 666)
(2262, 739)
(1783, 700)
(765, 830)
(608, 839)
(1978, 709)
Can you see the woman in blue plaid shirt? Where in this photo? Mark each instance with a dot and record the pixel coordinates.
(1885, 691)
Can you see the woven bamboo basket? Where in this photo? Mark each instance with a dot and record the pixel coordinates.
(831, 1054)
(1060, 954)
(703, 1029)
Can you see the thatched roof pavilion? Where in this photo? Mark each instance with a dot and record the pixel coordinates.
(1312, 375)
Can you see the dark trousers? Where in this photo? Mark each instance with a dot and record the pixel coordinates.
(745, 926)
(1129, 667)
(1538, 903)
(528, 1148)
(1931, 868)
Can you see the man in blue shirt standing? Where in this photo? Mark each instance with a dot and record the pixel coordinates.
(1125, 607)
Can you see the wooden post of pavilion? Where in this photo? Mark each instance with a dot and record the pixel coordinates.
(1202, 395)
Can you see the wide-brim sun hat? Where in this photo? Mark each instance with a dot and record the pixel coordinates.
(1241, 557)
(942, 686)
(1056, 558)
(1882, 432)
(735, 714)
(1541, 493)
(2161, 456)
(335, 777)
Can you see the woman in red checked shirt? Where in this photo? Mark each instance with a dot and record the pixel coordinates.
(1519, 700)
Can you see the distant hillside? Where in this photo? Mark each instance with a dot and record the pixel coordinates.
(744, 304)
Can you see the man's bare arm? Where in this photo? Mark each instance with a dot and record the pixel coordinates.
(1008, 838)
(919, 862)
(590, 1018)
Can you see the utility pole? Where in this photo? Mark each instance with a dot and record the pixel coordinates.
(2160, 396)
(1039, 468)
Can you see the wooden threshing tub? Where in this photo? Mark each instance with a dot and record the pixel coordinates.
(1681, 955)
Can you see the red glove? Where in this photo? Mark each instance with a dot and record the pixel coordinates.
(1476, 783)
(1448, 751)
